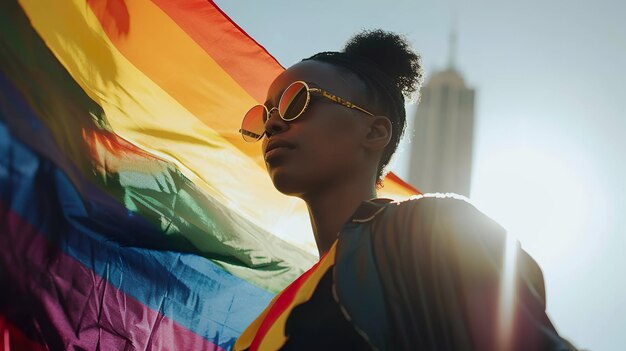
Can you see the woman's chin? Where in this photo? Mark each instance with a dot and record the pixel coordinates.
(286, 183)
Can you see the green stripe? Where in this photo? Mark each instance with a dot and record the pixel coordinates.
(152, 188)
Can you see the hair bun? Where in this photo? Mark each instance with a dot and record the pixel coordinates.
(392, 54)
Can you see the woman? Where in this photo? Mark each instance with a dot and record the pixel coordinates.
(423, 274)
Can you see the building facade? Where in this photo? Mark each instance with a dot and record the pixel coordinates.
(442, 146)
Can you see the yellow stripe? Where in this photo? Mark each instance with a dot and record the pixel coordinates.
(143, 113)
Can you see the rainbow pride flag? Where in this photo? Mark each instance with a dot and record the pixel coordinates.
(132, 213)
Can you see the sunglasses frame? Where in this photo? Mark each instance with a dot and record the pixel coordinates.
(309, 90)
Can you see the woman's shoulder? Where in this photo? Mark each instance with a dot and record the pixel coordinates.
(438, 211)
(440, 227)
(445, 261)
(431, 201)
(436, 227)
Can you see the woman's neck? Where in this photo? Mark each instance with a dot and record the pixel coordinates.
(330, 209)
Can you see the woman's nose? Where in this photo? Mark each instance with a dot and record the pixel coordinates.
(274, 123)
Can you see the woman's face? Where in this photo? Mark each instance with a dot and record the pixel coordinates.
(322, 147)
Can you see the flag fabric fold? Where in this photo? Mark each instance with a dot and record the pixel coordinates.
(132, 214)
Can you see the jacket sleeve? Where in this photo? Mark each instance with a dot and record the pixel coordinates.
(451, 284)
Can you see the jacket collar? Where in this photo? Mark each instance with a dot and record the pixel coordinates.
(368, 209)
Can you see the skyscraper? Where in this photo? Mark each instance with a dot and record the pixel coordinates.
(441, 150)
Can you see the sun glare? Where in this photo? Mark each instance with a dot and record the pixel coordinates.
(537, 196)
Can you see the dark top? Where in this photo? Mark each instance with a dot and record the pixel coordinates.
(440, 265)
(319, 324)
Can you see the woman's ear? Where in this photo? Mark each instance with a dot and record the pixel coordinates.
(379, 133)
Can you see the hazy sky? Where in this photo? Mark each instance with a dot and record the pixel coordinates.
(549, 159)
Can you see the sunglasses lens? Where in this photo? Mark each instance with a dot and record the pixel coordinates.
(253, 124)
(294, 101)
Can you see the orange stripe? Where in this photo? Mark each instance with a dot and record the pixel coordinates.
(160, 49)
(237, 53)
(392, 177)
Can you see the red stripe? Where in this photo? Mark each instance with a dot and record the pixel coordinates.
(247, 62)
(13, 339)
(282, 303)
(394, 178)
(85, 310)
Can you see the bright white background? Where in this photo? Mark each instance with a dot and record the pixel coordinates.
(549, 160)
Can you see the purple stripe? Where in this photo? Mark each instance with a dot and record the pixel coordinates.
(84, 309)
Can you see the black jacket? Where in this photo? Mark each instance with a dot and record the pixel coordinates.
(430, 273)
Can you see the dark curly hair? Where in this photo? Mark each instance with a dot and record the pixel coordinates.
(390, 70)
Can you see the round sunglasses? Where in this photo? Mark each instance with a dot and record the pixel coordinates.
(293, 102)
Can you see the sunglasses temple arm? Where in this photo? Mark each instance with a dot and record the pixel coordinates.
(250, 134)
(362, 110)
(338, 100)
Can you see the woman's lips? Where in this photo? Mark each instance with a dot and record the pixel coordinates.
(276, 153)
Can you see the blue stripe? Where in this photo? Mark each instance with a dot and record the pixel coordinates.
(201, 296)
